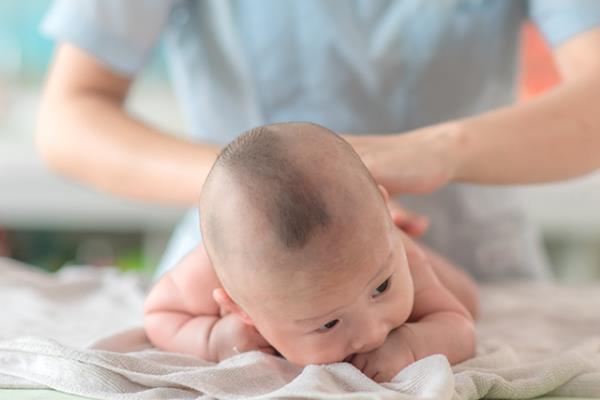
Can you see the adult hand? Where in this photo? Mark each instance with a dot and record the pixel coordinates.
(416, 162)
(413, 224)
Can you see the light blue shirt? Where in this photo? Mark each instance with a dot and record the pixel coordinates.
(351, 65)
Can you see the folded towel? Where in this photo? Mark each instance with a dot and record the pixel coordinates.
(79, 332)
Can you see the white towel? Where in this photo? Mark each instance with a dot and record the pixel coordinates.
(79, 332)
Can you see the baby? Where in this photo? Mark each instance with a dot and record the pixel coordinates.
(301, 258)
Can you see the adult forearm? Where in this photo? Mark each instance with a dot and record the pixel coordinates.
(91, 138)
(554, 137)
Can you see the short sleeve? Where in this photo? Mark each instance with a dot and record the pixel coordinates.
(559, 20)
(119, 33)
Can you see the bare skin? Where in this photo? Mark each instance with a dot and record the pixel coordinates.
(428, 308)
(550, 138)
(84, 108)
(85, 132)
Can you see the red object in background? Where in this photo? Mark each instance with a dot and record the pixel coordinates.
(538, 70)
(4, 251)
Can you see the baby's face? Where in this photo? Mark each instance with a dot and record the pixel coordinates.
(350, 310)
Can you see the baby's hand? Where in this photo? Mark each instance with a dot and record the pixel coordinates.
(230, 336)
(383, 363)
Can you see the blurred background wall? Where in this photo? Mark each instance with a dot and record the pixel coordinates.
(49, 221)
(45, 219)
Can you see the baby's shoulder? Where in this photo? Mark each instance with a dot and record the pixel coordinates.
(195, 275)
(419, 266)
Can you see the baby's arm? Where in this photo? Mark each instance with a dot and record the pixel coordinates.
(439, 322)
(458, 282)
(180, 312)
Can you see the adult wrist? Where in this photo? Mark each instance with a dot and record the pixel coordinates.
(452, 143)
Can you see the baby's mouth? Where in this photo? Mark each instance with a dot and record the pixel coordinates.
(349, 358)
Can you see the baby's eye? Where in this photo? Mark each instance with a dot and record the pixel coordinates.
(382, 288)
(329, 325)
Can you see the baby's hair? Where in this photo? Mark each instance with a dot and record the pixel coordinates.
(267, 172)
(284, 172)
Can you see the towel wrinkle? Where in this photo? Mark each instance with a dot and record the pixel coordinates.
(533, 340)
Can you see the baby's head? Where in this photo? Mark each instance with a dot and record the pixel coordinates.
(301, 239)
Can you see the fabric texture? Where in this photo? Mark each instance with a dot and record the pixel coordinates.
(80, 332)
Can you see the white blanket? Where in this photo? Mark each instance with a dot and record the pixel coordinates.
(80, 332)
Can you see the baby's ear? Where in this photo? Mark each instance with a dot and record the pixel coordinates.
(384, 193)
(227, 303)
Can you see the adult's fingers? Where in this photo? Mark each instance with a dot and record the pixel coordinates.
(410, 222)
(415, 226)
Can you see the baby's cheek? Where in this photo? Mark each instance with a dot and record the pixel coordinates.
(285, 344)
(403, 308)
(294, 352)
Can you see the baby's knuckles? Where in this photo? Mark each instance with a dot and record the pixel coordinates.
(375, 366)
(248, 338)
(231, 332)
(360, 361)
(383, 363)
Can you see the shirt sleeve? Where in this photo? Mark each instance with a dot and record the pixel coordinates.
(119, 33)
(559, 20)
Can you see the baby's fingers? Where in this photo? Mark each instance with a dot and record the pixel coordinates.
(371, 370)
(359, 361)
(380, 377)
